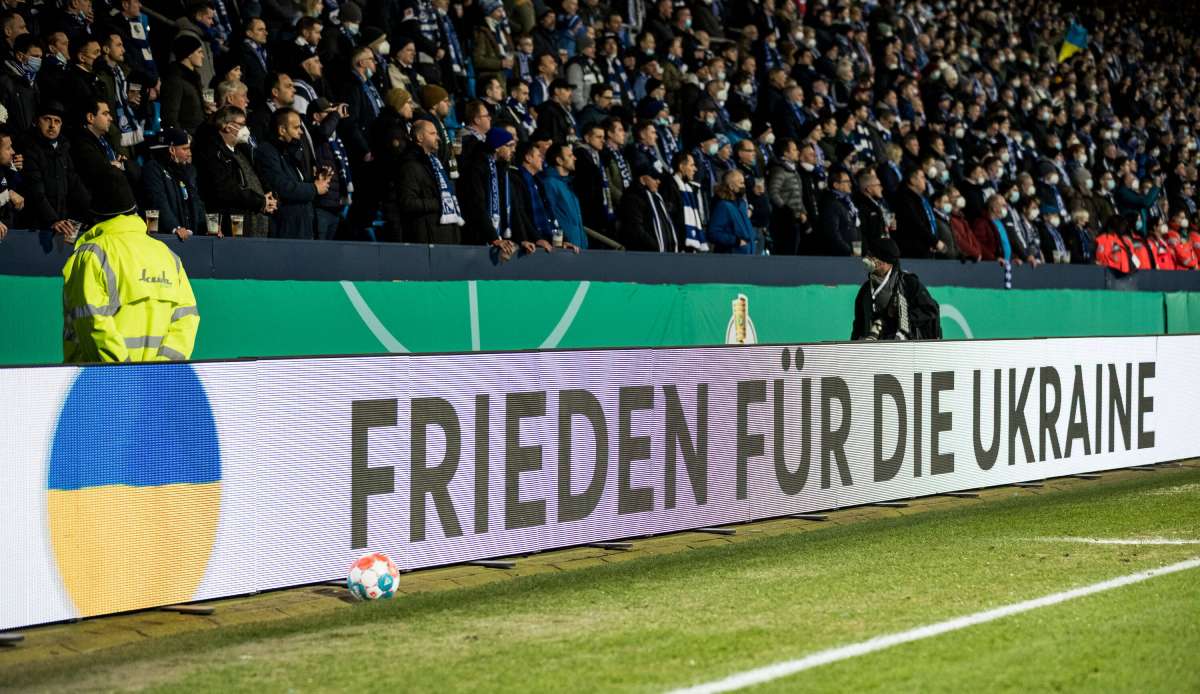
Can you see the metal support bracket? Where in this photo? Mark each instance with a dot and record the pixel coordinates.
(1085, 476)
(810, 516)
(963, 495)
(494, 563)
(198, 610)
(1030, 485)
(889, 504)
(611, 545)
(716, 531)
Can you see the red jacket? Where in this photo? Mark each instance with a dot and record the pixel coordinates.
(1181, 246)
(986, 237)
(1112, 253)
(968, 245)
(1161, 252)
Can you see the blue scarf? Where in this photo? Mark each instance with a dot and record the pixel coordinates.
(450, 212)
(606, 194)
(848, 202)
(372, 96)
(693, 221)
(622, 166)
(527, 121)
(453, 47)
(929, 216)
(260, 52)
(667, 142)
(1005, 246)
(494, 202)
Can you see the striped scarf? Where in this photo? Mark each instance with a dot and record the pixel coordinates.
(693, 217)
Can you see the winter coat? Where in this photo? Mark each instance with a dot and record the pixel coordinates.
(279, 167)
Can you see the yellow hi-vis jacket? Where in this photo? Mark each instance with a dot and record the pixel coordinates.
(126, 297)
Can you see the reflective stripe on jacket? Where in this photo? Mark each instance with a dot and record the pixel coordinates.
(126, 297)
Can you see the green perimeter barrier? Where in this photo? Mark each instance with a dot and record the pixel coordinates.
(255, 318)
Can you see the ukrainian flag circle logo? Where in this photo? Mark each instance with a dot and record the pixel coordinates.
(134, 487)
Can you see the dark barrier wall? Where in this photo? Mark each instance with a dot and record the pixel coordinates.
(40, 253)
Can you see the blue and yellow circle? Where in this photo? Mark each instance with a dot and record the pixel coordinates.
(134, 487)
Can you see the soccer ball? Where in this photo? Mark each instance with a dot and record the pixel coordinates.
(373, 577)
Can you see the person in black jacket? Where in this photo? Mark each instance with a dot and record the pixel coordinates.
(591, 184)
(873, 213)
(423, 196)
(93, 154)
(228, 182)
(916, 228)
(489, 193)
(253, 56)
(181, 100)
(893, 304)
(837, 217)
(169, 186)
(53, 190)
(363, 102)
(644, 221)
(554, 116)
(19, 92)
(82, 84)
(285, 170)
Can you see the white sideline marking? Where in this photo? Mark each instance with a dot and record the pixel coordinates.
(568, 317)
(473, 302)
(389, 342)
(1120, 541)
(952, 313)
(833, 655)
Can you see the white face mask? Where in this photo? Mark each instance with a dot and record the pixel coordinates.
(1082, 159)
(960, 133)
(243, 135)
(385, 48)
(1183, 224)
(722, 95)
(931, 172)
(1110, 184)
(1089, 184)
(1014, 196)
(1053, 220)
(769, 139)
(1053, 180)
(960, 203)
(1005, 157)
(1033, 215)
(947, 208)
(1030, 191)
(806, 166)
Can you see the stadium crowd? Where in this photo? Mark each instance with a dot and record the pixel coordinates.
(727, 126)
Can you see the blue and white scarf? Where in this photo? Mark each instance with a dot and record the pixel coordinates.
(372, 96)
(667, 142)
(450, 212)
(494, 201)
(605, 193)
(453, 47)
(693, 216)
(622, 166)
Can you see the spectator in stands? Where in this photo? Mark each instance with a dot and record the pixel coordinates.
(916, 228)
(183, 104)
(617, 166)
(134, 27)
(169, 186)
(837, 229)
(54, 194)
(554, 116)
(363, 102)
(874, 216)
(285, 169)
(93, 154)
(425, 200)
(18, 82)
(197, 24)
(591, 184)
(254, 57)
(687, 204)
(11, 202)
(493, 43)
(126, 130)
(228, 181)
(563, 204)
(329, 154)
(487, 196)
(281, 93)
(81, 84)
(788, 213)
(644, 221)
(729, 229)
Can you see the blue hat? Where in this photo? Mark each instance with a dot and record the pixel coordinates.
(497, 138)
(490, 6)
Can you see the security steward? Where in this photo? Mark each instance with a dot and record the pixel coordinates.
(125, 295)
(893, 304)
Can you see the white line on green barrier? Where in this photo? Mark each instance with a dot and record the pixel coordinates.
(568, 317)
(879, 643)
(473, 302)
(371, 320)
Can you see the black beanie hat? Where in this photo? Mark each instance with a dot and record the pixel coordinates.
(886, 250)
(185, 44)
(111, 196)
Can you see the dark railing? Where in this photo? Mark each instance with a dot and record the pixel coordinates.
(41, 253)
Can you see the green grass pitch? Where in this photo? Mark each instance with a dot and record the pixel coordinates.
(661, 622)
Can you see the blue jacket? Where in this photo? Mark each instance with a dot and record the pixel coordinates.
(175, 195)
(564, 206)
(281, 173)
(543, 219)
(730, 223)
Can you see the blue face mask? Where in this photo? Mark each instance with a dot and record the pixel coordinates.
(33, 64)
